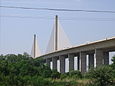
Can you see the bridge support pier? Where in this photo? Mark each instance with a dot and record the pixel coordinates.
(71, 62)
(48, 62)
(62, 64)
(54, 61)
(78, 63)
(99, 57)
(106, 58)
(83, 62)
(91, 60)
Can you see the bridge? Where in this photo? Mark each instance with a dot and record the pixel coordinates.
(98, 50)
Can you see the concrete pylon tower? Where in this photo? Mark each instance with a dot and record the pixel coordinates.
(35, 49)
(58, 39)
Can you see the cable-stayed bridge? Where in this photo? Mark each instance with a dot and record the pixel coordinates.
(59, 48)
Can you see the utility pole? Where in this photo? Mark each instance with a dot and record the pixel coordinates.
(34, 45)
(56, 33)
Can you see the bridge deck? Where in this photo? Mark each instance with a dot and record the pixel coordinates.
(106, 44)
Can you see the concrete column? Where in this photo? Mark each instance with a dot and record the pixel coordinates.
(83, 62)
(91, 60)
(99, 57)
(62, 64)
(106, 58)
(48, 62)
(54, 62)
(71, 62)
(78, 63)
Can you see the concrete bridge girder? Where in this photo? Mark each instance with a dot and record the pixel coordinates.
(101, 58)
(99, 51)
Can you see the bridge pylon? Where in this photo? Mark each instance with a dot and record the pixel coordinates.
(58, 39)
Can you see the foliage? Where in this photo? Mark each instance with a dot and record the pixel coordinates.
(65, 75)
(72, 74)
(113, 64)
(23, 70)
(75, 74)
(64, 83)
(55, 74)
(101, 76)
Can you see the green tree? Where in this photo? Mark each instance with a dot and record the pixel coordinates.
(101, 76)
(113, 65)
(22, 70)
(113, 60)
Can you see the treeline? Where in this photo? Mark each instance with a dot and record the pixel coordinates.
(23, 70)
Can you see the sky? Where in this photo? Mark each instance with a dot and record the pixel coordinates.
(17, 26)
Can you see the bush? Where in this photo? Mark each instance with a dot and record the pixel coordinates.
(39, 81)
(64, 83)
(75, 74)
(72, 74)
(55, 74)
(101, 76)
(113, 65)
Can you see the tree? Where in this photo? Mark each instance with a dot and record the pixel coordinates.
(101, 76)
(113, 65)
(22, 70)
(113, 60)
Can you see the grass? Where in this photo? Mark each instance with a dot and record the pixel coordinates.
(69, 82)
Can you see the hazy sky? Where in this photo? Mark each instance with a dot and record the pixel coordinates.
(16, 34)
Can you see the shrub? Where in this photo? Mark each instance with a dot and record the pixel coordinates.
(55, 74)
(63, 76)
(39, 81)
(101, 76)
(75, 74)
(113, 65)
